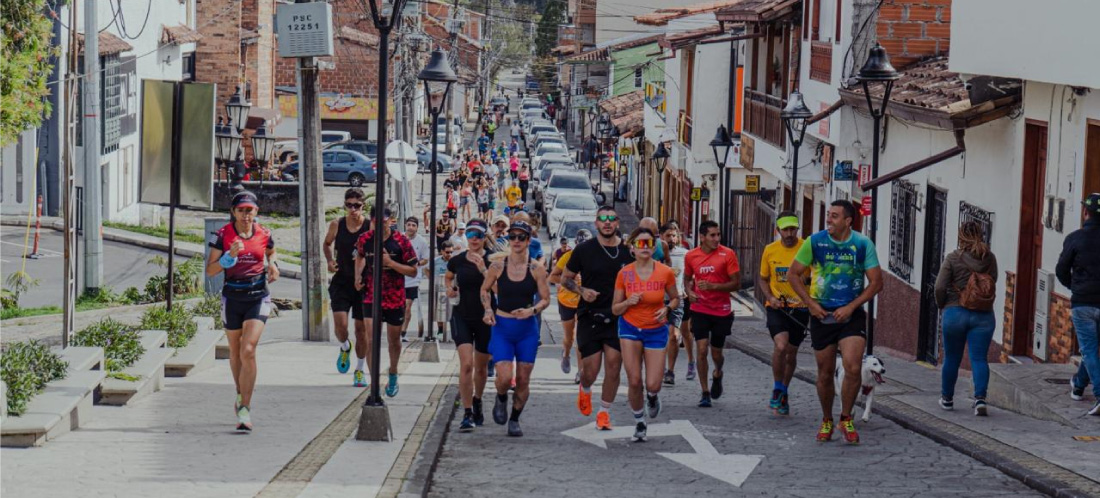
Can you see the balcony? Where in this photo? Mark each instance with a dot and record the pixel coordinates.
(762, 117)
(821, 61)
(683, 128)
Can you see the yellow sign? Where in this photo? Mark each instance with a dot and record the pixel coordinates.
(752, 184)
(337, 107)
(696, 193)
(626, 151)
(748, 151)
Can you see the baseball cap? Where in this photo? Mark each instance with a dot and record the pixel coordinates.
(521, 226)
(476, 225)
(1092, 203)
(386, 213)
(501, 219)
(461, 226)
(245, 198)
(787, 222)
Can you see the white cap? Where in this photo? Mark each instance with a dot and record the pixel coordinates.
(461, 226)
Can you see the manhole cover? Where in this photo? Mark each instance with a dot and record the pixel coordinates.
(1060, 382)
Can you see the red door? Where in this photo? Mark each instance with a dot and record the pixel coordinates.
(1030, 255)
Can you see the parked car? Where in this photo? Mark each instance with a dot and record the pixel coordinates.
(560, 182)
(549, 137)
(552, 158)
(495, 101)
(285, 150)
(570, 225)
(535, 129)
(341, 166)
(530, 104)
(570, 205)
(424, 156)
(541, 176)
(548, 148)
(369, 149)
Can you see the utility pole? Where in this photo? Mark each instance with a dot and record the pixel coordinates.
(450, 105)
(69, 185)
(311, 192)
(93, 195)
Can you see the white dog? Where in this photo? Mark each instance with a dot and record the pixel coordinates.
(870, 374)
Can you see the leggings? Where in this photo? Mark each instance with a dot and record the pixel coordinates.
(963, 328)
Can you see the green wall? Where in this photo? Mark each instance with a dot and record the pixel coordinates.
(626, 60)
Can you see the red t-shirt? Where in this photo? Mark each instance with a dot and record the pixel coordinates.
(250, 260)
(715, 267)
(393, 284)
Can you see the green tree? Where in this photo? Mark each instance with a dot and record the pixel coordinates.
(546, 36)
(24, 66)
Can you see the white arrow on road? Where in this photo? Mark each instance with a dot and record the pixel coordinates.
(733, 469)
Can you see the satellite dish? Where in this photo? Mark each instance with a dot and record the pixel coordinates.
(401, 162)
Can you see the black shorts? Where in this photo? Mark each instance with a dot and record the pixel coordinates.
(411, 293)
(596, 330)
(394, 317)
(566, 312)
(471, 331)
(235, 313)
(791, 321)
(711, 328)
(343, 297)
(823, 335)
(483, 207)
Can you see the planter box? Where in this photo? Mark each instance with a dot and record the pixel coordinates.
(149, 370)
(62, 406)
(198, 355)
(222, 351)
(82, 358)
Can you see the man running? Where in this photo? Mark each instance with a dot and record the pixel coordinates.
(598, 263)
(567, 307)
(680, 318)
(342, 234)
(787, 315)
(711, 273)
(840, 259)
(398, 260)
(441, 302)
(412, 284)
(513, 194)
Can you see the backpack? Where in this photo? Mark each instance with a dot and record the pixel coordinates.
(979, 293)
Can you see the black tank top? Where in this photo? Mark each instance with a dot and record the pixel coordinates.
(511, 295)
(345, 251)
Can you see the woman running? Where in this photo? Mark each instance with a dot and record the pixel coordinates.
(240, 249)
(515, 335)
(640, 292)
(464, 279)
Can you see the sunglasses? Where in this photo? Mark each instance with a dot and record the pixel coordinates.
(643, 244)
(474, 235)
(518, 236)
(607, 217)
(353, 205)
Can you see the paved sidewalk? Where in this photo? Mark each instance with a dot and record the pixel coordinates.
(179, 442)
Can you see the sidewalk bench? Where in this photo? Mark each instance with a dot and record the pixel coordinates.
(82, 357)
(57, 410)
(149, 371)
(198, 355)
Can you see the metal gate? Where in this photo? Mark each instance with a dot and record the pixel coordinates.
(750, 215)
(929, 327)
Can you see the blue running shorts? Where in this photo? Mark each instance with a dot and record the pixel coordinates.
(656, 338)
(514, 339)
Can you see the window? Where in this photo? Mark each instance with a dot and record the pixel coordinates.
(638, 77)
(903, 228)
(114, 78)
(569, 182)
(188, 67)
(576, 202)
(970, 212)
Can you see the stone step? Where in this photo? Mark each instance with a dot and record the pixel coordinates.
(149, 371)
(82, 357)
(198, 355)
(205, 323)
(1025, 389)
(60, 408)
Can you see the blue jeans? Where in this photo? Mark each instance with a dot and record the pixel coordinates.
(1086, 321)
(963, 328)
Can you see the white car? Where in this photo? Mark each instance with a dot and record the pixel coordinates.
(539, 178)
(570, 225)
(569, 205)
(563, 182)
(548, 148)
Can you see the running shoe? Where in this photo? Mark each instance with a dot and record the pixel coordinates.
(237, 404)
(654, 406)
(403, 338)
(391, 387)
(704, 402)
(980, 409)
(467, 424)
(584, 402)
(639, 432)
(774, 403)
(1095, 411)
(360, 379)
(784, 407)
(1075, 393)
(947, 403)
(825, 433)
(670, 378)
(500, 412)
(848, 428)
(479, 415)
(343, 360)
(716, 387)
(577, 378)
(244, 421)
(691, 371)
(513, 429)
(603, 421)
(565, 364)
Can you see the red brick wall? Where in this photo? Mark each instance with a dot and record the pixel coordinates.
(356, 70)
(218, 54)
(898, 322)
(911, 30)
(1007, 321)
(1061, 339)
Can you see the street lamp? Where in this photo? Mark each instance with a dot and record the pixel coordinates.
(374, 421)
(228, 141)
(795, 118)
(660, 160)
(438, 78)
(876, 70)
(603, 127)
(262, 145)
(237, 109)
(721, 145)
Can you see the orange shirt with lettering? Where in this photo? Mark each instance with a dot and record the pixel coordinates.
(653, 290)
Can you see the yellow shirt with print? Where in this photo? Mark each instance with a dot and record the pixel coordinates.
(566, 297)
(513, 194)
(774, 264)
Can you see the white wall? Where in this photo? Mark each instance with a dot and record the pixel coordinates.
(18, 173)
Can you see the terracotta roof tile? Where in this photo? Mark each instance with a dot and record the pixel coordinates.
(626, 111)
(174, 35)
(596, 55)
(686, 38)
(564, 49)
(108, 44)
(358, 37)
(661, 17)
(758, 10)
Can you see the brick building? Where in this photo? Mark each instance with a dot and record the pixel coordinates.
(237, 49)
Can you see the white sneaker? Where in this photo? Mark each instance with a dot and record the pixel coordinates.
(244, 421)
(1095, 411)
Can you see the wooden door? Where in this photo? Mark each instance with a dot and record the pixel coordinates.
(1091, 182)
(1030, 252)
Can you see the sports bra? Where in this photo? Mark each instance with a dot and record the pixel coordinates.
(511, 295)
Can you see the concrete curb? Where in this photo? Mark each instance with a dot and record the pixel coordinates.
(419, 480)
(1033, 471)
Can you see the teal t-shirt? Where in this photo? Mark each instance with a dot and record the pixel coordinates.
(838, 267)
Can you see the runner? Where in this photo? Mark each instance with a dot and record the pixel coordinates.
(412, 284)
(787, 315)
(240, 250)
(641, 289)
(840, 259)
(680, 319)
(459, 238)
(515, 335)
(598, 263)
(711, 273)
(661, 252)
(483, 198)
(441, 302)
(567, 307)
(465, 275)
(498, 240)
(513, 194)
(444, 227)
(342, 234)
(398, 260)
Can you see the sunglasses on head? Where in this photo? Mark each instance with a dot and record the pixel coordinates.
(643, 243)
(353, 205)
(518, 236)
(607, 217)
(474, 235)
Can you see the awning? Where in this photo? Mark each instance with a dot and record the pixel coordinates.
(626, 111)
(108, 44)
(175, 35)
(687, 38)
(590, 57)
(757, 11)
(661, 17)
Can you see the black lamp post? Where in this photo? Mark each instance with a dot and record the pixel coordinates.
(237, 109)
(876, 70)
(603, 127)
(262, 146)
(660, 160)
(228, 141)
(438, 78)
(721, 145)
(795, 117)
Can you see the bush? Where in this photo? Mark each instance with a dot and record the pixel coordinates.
(26, 367)
(179, 323)
(185, 275)
(120, 342)
(210, 306)
(132, 296)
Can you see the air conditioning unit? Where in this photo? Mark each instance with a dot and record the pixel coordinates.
(1044, 285)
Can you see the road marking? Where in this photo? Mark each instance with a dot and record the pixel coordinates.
(41, 249)
(733, 468)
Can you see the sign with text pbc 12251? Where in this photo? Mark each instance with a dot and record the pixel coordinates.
(304, 29)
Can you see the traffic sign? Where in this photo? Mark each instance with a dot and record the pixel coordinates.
(696, 193)
(401, 162)
(865, 207)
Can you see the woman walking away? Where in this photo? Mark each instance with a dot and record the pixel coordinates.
(515, 335)
(640, 292)
(465, 275)
(240, 250)
(965, 290)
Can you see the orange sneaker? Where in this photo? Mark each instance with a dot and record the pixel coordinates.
(849, 430)
(603, 421)
(584, 402)
(825, 433)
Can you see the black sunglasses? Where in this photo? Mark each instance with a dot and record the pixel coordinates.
(518, 236)
(353, 205)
